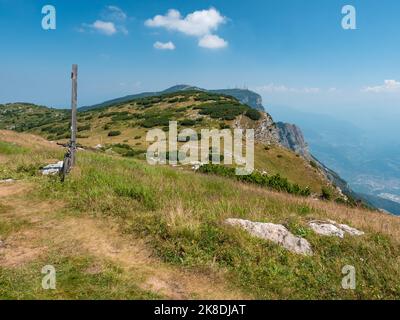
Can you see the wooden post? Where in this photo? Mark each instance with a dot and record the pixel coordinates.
(74, 99)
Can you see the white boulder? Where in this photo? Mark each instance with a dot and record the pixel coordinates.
(333, 229)
(7, 181)
(275, 233)
(326, 229)
(351, 231)
(52, 169)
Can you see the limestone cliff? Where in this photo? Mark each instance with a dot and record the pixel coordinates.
(291, 137)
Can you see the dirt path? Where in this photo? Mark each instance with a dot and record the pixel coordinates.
(99, 238)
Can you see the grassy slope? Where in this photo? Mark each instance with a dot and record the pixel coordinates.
(180, 215)
(128, 118)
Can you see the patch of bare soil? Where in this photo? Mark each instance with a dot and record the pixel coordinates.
(12, 188)
(101, 239)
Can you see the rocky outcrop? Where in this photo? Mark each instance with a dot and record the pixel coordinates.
(291, 137)
(265, 130)
(275, 233)
(333, 229)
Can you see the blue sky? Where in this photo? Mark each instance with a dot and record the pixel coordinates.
(293, 52)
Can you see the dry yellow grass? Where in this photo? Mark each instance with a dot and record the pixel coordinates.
(27, 140)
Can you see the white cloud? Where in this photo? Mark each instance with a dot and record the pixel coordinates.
(164, 45)
(388, 86)
(211, 41)
(123, 30)
(201, 24)
(272, 88)
(114, 13)
(112, 21)
(198, 23)
(107, 28)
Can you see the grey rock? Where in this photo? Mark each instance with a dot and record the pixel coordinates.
(275, 233)
(332, 228)
(265, 130)
(52, 169)
(351, 231)
(7, 181)
(326, 229)
(291, 137)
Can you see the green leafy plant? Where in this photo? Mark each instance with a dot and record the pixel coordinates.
(114, 133)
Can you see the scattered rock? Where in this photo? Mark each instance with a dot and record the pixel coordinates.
(326, 229)
(2, 244)
(333, 229)
(351, 231)
(196, 165)
(275, 233)
(99, 146)
(7, 181)
(52, 169)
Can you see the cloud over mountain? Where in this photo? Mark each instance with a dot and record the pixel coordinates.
(211, 41)
(202, 24)
(388, 86)
(272, 88)
(112, 22)
(164, 45)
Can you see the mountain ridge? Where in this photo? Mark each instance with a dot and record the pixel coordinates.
(245, 96)
(267, 131)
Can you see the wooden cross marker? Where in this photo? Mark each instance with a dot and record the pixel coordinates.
(74, 99)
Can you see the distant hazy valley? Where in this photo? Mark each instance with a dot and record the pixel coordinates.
(368, 160)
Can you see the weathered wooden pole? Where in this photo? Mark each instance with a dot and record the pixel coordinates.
(74, 99)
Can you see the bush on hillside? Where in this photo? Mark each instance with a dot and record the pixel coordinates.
(275, 182)
(84, 128)
(160, 121)
(222, 110)
(313, 164)
(114, 133)
(188, 122)
(253, 114)
(326, 194)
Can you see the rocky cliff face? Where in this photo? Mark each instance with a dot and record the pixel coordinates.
(291, 137)
(265, 130)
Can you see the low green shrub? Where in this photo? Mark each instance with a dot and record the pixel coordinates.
(188, 122)
(253, 114)
(155, 122)
(275, 182)
(84, 128)
(114, 133)
(222, 110)
(326, 194)
(313, 164)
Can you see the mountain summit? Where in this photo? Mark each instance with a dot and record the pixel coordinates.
(245, 96)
